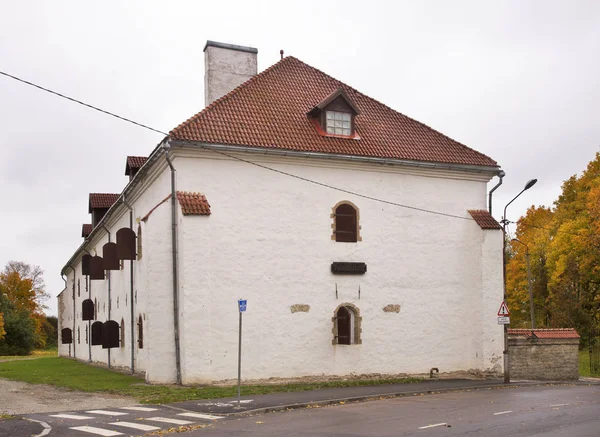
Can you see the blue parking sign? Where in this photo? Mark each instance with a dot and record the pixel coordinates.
(242, 304)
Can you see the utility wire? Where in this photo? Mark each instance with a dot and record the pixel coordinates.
(112, 114)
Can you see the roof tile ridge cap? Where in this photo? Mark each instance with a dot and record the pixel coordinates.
(227, 96)
(354, 90)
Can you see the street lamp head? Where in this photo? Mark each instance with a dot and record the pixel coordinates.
(530, 184)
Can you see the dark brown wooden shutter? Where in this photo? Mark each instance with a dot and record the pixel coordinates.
(109, 257)
(85, 264)
(66, 336)
(343, 324)
(97, 333)
(140, 332)
(110, 334)
(96, 269)
(87, 310)
(125, 244)
(345, 224)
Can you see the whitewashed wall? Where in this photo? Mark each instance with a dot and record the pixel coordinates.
(269, 240)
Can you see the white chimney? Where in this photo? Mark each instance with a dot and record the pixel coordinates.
(225, 67)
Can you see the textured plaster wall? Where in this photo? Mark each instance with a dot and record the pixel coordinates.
(225, 70)
(152, 292)
(268, 240)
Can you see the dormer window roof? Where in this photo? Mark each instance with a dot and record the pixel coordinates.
(334, 116)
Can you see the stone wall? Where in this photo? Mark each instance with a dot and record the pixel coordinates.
(544, 358)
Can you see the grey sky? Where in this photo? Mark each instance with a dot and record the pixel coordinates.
(518, 81)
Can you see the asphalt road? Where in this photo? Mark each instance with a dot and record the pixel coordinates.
(549, 411)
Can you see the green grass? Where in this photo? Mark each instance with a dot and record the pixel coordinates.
(52, 352)
(584, 365)
(75, 375)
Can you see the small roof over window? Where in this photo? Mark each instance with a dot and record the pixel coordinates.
(334, 116)
(134, 163)
(86, 230)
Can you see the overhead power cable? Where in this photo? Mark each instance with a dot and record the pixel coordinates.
(112, 114)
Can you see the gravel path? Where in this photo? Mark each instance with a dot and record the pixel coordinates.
(23, 398)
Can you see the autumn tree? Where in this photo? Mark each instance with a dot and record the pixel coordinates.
(564, 247)
(22, 293)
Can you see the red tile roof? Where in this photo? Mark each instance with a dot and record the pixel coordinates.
(134, 163)
(484, 219)
(193, 203)
(86, 230)
(545, 333)
(102, 200)
(270, 111)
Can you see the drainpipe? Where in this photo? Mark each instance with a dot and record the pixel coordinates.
(501, 175)
(89, 287)
(167, 147)
(109, 289)
(63, 278)
(131, 291)
(74, 314)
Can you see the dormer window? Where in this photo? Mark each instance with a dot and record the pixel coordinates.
(338, 123)
(335, 116)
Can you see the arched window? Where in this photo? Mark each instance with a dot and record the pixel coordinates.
(345, 223)
(110, 334)
(122, 333)
(87, 310)
(78, 336)
(97, 333)
(86, 334)
(78, 287)
(347, 325)
(66, 336)
(140, 332)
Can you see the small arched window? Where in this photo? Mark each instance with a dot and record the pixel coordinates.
(66, 336)
(86, 334)
(78, 287)
(347, 325)
(97, 333)
(78, 336)
(122, 333)
(140, 332)
(139, 242)
(345, 223)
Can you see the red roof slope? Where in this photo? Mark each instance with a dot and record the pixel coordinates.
(102, 200)
(545, 333)
(86, 230)
(270, 110)
(134, 162)
(193, 203)
(484, 219)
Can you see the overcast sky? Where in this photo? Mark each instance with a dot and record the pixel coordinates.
(518, 81)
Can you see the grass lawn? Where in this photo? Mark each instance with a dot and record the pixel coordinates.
(75, 375)
(584, 364)
(35, 354)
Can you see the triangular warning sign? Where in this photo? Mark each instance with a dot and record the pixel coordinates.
(503, 311)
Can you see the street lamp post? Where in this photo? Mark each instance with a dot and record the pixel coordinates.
(528, 282)
(528, 185)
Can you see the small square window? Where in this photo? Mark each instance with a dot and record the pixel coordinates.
(339, 123)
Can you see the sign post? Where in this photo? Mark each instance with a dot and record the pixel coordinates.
(242, 308)
(503, 315)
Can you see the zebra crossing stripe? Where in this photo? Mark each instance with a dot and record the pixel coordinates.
(167, 420)
(97, 431)
(139, 426)
(70, 416)
(107, 413)
(139, 408)
(200, 416)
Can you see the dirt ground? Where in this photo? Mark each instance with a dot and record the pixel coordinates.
(23, 398)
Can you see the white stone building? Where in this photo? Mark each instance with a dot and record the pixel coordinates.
(359, 237)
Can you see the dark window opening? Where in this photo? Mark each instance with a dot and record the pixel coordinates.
(87, 310)
(122, 333)
(97, 333)
(78, 336)
(66, 336)
(140, 332)
(126, 244)
(78, 287)
(86, 334)
(109, 257)
(139, 243)
(110, 335)
(344, 325)
(346, 224)
(96, 268)
(85, 264)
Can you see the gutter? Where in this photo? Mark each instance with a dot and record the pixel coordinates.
(350, 158)
(500, 175)
(175, 263)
